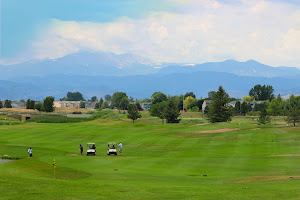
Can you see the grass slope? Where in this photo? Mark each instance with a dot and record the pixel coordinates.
(248, 161)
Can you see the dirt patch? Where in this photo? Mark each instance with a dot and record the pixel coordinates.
(253, 129)
(258, 179)
(201, 124)
(72, 154)
(285, 155)
(223, 130)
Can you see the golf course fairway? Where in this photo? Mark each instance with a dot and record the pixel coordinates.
(236, 160)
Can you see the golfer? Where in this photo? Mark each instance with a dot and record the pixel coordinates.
(81, 149)
(120, 148)
(30, 152)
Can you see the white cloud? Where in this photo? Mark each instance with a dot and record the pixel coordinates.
(206, 30)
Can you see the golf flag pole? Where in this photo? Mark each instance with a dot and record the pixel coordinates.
(54, 166)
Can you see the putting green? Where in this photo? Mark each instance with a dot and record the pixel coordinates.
(172, 161)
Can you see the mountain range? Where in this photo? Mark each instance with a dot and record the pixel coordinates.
(105, 73)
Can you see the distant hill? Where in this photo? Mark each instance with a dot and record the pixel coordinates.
(143, 86)
(105, 73)
(248, 68)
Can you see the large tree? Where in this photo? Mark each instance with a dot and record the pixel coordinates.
(94, 99)
(293, 110)
(74, 96)
(124, 103)
(7, 103)
(171, 112)
(48, 104)
(275, 108)
(39, 106)
(245, 107)
(219, 111)
(133, 112)
(158, 97)
(158, 110)
(189, 94)
(107, 97)
(116, 98)
(30, 104)
(211, 95)
(1, 104)
(188, 101)
(264, 92)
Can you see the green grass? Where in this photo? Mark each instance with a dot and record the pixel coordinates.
(169, 163)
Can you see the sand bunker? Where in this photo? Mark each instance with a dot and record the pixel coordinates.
(201, 124)
(285, 155)
(223, 130)
(72, 154)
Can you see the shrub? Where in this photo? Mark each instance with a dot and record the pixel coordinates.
(90, 112)
(77, 112)
(104, 114)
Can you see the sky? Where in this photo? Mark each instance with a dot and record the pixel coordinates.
(183, 31)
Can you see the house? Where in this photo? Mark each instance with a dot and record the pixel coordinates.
(146, 105)
(205, 104)
(66, 104)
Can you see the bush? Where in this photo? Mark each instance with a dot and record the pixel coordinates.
(9, 122)
(104, 114)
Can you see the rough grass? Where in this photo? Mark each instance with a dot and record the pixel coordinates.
(237, 164)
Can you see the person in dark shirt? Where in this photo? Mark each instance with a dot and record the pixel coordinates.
(81, 149)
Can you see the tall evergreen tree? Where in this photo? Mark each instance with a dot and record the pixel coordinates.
(293, 112)
(48, 104)
(171, 112)
(219, 111)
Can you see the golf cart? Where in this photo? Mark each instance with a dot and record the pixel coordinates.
(111, 148)
(91, 149)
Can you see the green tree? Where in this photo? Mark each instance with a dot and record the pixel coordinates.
(30, 104)
(1, 105)
(188, 101)
(158, 110)
(82, 104)
(124, 103)
(100, 102)
(171, 112)
(262, 92)
(94, 99)
(219, 111)
(74, 96)
(133, 112)
(211, 94)
(7, 103)
(48, 104)
(189, 94)
(39, 106)
(105, 105)
(107, 97)
(116, 98)
(237, 107)
(195, 109)
(245, 107)
(275, 108)
(263, 116)
(293, 112)
(158, 97)
(138, 105)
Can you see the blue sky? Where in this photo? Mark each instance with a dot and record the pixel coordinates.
(192, 31)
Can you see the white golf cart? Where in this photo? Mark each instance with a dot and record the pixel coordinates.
(111, 148)
(91, 149)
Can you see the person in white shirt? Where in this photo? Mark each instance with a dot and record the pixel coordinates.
(30, 152)
(120, 148)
